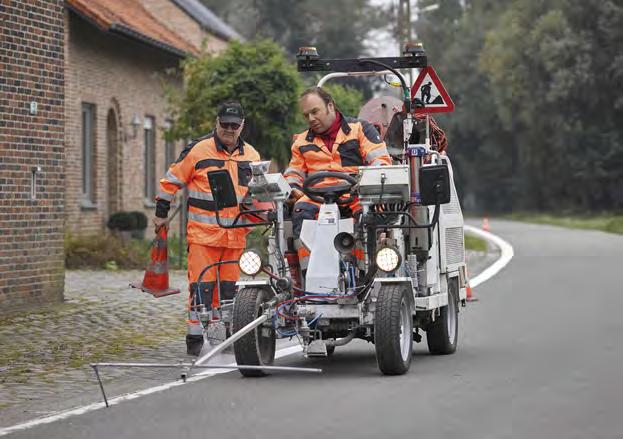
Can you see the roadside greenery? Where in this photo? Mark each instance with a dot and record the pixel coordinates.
(110, 252)
(259, 77)
(538, 88)
(339, 29)
(475, 244)
(103, 251)
(611, 223)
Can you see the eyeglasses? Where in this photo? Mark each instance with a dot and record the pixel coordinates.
(229, 125)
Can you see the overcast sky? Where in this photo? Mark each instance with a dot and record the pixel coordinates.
(381, 42)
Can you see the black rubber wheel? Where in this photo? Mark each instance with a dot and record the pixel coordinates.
(442, 334)
(257, 348)
(393, 329)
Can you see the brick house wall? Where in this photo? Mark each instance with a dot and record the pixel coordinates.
(123, 79)
(31, 225)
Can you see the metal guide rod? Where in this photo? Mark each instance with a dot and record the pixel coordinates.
(99, 380)
(187, 366)
(198, 364)
(237, 336)
(211, 366)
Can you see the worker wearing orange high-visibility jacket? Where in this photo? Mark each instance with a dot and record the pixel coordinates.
(207, 242)
(333, 142)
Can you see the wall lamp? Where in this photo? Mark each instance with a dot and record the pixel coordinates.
(136, 124)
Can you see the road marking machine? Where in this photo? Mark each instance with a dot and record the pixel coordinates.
(410, 275)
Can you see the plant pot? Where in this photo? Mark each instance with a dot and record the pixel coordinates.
(124, 235)
(138, 234)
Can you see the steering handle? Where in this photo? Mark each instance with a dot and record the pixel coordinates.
(319, 194)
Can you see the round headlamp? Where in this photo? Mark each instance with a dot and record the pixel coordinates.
(250, 262)
(388, 259)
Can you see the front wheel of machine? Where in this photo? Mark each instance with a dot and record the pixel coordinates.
(393, 329)
(442, 335)
(257, 348)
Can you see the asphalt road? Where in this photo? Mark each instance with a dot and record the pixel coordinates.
(539, 356)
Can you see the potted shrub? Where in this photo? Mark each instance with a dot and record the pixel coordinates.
(122, 224)
(140, 220)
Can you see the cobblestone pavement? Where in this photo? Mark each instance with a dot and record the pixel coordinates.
(46, 353)
(44, 363)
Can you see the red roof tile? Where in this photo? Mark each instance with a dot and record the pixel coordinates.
(130, 18)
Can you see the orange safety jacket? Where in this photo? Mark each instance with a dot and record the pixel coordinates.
(357, 143)
(191, 170)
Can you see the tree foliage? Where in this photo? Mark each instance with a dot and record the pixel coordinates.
(257, 75)
(337, 28)
(538, 89)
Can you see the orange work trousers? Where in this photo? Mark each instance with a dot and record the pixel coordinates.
(206, 292)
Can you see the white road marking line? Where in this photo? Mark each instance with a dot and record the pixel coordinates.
(506, 256)
(127, 397)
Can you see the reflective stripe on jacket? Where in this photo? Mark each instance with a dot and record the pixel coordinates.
(191, 170)
(357, 143)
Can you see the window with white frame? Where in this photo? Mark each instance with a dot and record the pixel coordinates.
(88, 152)
(149, 129)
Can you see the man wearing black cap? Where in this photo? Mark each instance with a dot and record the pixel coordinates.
(207, 242)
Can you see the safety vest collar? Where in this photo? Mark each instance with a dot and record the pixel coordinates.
(345, 126)
(221, 147)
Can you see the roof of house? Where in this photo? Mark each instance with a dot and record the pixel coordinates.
(206, 18)
(131, 19)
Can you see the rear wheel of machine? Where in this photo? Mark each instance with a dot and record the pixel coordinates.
(442, 334)
(393, 329)
(257, 348)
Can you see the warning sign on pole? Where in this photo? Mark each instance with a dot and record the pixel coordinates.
(429, 90)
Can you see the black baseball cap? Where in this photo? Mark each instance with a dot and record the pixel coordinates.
(230, 112)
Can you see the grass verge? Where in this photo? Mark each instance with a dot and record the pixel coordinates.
(607, 222)
(475, 244)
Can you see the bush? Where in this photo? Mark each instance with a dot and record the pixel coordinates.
(140, 219)
(104, 251)
(122, 221)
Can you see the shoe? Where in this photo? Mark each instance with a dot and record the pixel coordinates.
(194, 343)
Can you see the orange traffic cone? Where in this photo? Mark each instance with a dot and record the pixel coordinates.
(485, 224)
(156, 280)
(470, 296)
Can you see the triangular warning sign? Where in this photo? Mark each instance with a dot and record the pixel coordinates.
(428, 89)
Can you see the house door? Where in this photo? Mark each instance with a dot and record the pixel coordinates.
(112, 140)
